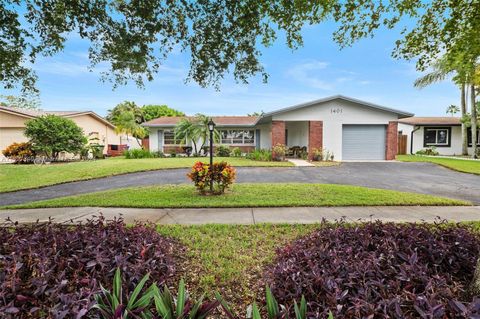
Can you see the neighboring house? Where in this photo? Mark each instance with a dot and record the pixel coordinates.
(349, 128)
(443, 133)
(12, 125)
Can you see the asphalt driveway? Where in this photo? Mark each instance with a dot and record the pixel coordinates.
(423, 178)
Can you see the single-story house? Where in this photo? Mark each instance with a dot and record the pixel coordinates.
(443, 133)
(95, 127)
(351, 129)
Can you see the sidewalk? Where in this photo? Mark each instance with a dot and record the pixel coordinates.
(301, 215)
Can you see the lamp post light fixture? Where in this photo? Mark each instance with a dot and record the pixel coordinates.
(211, 128)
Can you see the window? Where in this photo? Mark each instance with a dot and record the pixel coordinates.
(437, 136)
(237, 137)
(469, 137)
(169, 138)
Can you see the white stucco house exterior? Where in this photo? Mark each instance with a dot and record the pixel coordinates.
(443, 133)
(349, 128)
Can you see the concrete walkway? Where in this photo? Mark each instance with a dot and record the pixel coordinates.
(300, 162)
(249, 216)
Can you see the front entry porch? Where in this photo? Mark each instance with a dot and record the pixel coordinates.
(298, 136)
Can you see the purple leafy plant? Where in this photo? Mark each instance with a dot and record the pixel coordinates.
(54, 271)
(377, 270)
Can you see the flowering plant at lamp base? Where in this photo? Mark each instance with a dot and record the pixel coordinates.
(222, 175)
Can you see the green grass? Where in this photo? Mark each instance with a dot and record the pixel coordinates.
(231, 258)
(465, 166)
(245, 195)
(16, 177)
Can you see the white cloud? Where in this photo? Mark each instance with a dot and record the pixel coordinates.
(307, 73)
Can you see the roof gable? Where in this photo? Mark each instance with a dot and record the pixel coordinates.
(36, 113)
(339, 97)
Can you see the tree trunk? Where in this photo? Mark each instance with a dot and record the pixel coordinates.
(474, 121)
(463, 109)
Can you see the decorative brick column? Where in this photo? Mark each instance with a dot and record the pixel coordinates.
(315, 137)
(392, 141)
(278, 133)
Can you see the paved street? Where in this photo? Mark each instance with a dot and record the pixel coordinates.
(425, 178)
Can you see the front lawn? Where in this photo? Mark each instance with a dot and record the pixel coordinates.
(231, 258)
(246, 195)
(16, 177)
(466, 166)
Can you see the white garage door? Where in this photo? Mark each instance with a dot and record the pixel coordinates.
(363, 142)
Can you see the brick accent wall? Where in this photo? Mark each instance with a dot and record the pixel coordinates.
(392, 140)
(315, 136)
(172, 148)
(116, 152)
(278, 132)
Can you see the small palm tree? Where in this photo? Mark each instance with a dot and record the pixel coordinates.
(187, 130)
(452, 110)
(196, 130)
(126, 124)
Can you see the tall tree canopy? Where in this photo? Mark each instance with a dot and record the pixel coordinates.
(153, 111)
(134, 37)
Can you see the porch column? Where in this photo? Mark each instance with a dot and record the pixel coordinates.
(278, 133)
(391, 148)
(315, 137)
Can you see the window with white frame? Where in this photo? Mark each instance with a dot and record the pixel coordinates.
(169, 138)
(437, 136)
(236, 137)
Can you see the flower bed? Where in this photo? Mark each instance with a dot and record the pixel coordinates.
(54, 271)
(380, 271)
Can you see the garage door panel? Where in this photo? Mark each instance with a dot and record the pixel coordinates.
(363, 142)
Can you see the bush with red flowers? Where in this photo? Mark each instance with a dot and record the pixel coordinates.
(222, 175)
(20, 152)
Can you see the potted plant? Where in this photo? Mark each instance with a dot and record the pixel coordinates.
(317, 154)
(279, 151)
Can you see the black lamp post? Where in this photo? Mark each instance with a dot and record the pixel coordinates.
(211, 128)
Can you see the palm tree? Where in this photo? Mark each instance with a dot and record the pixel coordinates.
(203, 132)
(125, 123)
(187, 130)
(441, 69)
(196, 130)
(452, 110)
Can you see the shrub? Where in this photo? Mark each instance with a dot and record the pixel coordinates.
(260, 155)
(236, 152)
(52, 134)
(428, 151)
(379, 271)
(139, 305)
(279, 151)
(222, 151)
(222, 174)
(20, 152)
(51, 270)
(141, 153)
(317, 154)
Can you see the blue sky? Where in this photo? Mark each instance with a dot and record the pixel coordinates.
(364, 71)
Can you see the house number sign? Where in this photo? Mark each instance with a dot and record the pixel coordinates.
(336, 110)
